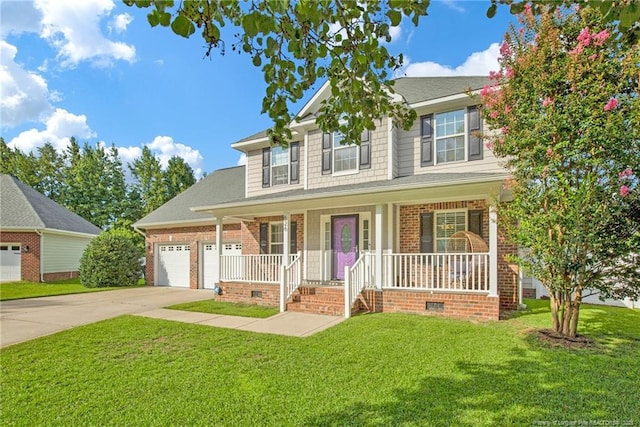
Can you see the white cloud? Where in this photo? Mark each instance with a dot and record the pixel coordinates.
(454, 5)
(25, 96)
(59, 127)
(477, 64)
(120, 22)
(73, 28)
(242, 160)
(19, 17)
(164, 147)
(395, 33)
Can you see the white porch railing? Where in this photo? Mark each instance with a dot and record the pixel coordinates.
(291, 277)
(468, 272)
(252, 268)
(356, 279)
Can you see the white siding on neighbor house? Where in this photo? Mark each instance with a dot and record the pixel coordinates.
(377, 171)
(409, 154)
(62, 253)
(254, 174)
(529, 282)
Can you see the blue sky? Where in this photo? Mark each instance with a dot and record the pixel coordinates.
(96, 70)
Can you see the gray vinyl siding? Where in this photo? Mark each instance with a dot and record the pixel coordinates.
(394, 142)
(254, 175)
(62, 253)
(409, 156)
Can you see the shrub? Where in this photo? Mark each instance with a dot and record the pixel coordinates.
(111, 259)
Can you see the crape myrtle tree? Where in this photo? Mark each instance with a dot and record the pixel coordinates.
(565, 118)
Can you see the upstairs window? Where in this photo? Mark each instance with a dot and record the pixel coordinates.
(451, 136)
(340, 157)
(279, 166)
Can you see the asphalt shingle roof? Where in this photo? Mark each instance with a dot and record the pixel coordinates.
(218, 187)
(420, 89)
(23, 207)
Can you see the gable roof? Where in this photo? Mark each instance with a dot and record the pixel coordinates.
(218, 187)
(413, 89)
(420, 89)
(22, 207)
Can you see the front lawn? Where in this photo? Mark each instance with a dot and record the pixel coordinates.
(19, 290)
(378, 370)
(228, 308)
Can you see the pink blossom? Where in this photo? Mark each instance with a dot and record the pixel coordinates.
(624, 190)
(593, 57)
(509, 73)
(504, 130)
(549, 152)
(527, 8)
(495, 75)
(486, 90)
(625, 173)
(577, 50)
(507, 109)
(489, 145)
(547, 101)
(601, 37)
(494, 115)
(584, 37)
(521, 30)
(611, 105)
(505, 50)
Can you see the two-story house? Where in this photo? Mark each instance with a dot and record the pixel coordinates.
(402, 221)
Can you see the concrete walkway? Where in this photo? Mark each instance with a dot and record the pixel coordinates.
(26, 319)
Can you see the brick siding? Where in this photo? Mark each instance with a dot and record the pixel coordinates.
(241, 293)
(462, 306)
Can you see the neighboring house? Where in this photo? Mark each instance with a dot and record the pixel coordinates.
(400, 223)
(40, 240)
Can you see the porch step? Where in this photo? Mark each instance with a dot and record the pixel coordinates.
(318, 300)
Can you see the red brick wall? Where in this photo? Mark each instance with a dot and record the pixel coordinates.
(463, 306)
(410, 221)
(241, 293)
(30, 261)
(186, 235)
(251, 232)
(507, 275)
(60, 275)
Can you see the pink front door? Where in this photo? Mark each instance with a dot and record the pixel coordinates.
(344, 242)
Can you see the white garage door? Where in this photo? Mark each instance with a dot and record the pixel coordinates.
(210, 260)
(10, 260)
(173, 265)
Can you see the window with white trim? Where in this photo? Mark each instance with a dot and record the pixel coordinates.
(446, 224)
(279, 165)
(276, 238)
(450, 136)
(345, 156)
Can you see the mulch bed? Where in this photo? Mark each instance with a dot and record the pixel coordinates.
(554, 339)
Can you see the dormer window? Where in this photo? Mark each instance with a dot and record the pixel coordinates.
(451, 136)
(345, 157)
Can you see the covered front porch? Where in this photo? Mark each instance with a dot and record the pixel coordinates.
(415, 256)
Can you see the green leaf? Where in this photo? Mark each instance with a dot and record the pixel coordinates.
(165, 19)
(182, 26)
(491, 12)
(395, 17)
(153, 18)
(257, 61)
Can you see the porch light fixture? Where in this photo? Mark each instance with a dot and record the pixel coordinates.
(26, 249)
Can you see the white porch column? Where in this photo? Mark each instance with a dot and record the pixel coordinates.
(378, 278)
(218, 253)
(493, 252)
(286, 238)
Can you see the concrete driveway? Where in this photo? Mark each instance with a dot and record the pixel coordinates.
(26, 319)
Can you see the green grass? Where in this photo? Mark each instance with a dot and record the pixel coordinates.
(375, 370)
(20, 290)
(232, 309)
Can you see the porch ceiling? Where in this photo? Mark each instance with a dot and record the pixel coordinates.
(461, 190)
